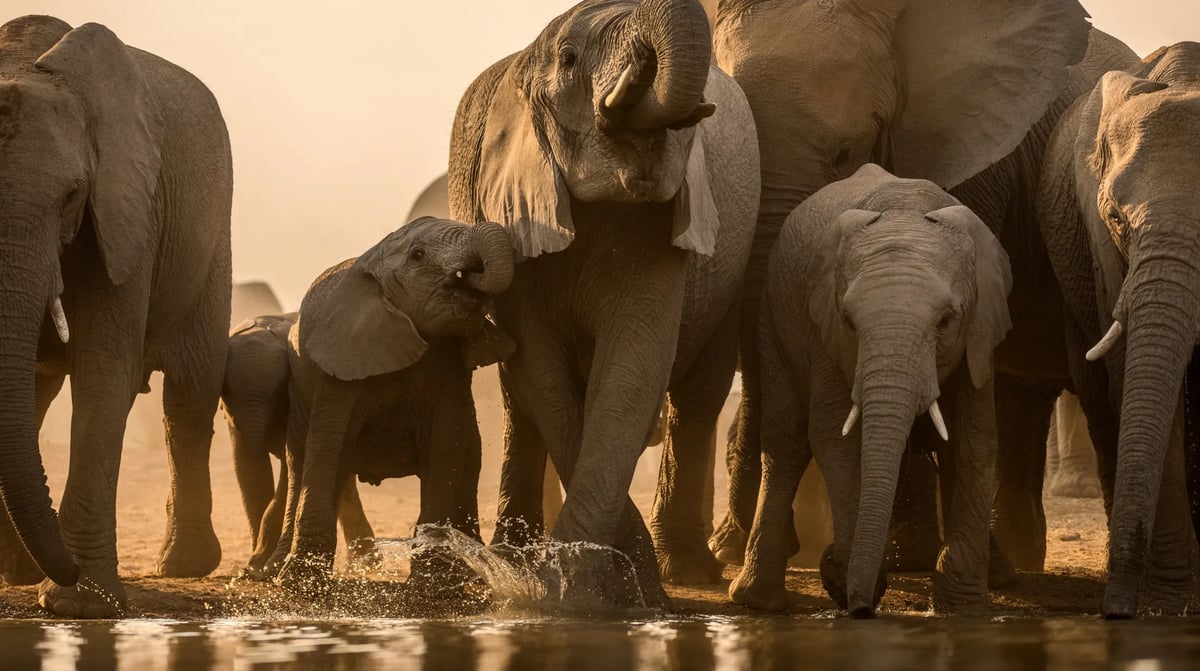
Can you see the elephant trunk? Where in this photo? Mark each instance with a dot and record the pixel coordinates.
(492, 247)
(1162, 310)
(670, 51)
(25, 295)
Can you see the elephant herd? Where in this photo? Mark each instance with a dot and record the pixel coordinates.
(910, 225)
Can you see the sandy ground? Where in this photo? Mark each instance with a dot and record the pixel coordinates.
(1072, 583)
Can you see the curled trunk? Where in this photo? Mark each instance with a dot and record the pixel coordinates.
(1162, 323)
(491, 245)
(22, 476)
(676, 36)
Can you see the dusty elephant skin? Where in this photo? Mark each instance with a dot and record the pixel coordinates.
(255, 397)
(115, 190)
(884, 300)
(632, 212)
(963, 94)
(381, 358)
(1119, 215)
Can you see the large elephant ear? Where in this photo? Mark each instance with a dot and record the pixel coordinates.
(518, 184)
(350, 331)
(975, 76)
(823, 303)
(989, 320)
(128, 130)
(696, 219)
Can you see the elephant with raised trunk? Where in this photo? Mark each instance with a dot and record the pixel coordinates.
(963, 94)
(632, 207)
(381, 358)
(884, 300)
(1120, 214)
(115, 191)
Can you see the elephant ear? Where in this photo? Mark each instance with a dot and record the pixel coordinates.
(489, 345)
(696, 219)
(128, 131)
(518, 184)
(989, 321)
(823, 295)
(350, 331)
(975, 76)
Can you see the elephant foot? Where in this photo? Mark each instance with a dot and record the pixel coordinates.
(436, 575)
(192, 552)
(599, 578)
(833, 577)
(913, 548)
(1000, 571)
(306, 573)
(954, 593)
(697, 567)
(1075, 484)
(92, 597)
(516, 532)
(363, 556)
(752, 590)
(728, 542)
(18, 568)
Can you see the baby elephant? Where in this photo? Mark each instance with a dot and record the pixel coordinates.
(381, 356)
(884, 300)
(255, 396)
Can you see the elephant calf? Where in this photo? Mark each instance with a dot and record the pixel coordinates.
(381, 357)
(881, 294)
(255, 396)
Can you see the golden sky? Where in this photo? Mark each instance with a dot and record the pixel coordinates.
(339, 112)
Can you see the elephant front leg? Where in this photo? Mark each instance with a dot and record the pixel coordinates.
(678, 521)
(356, 528)
(961, 579)
(520, 518)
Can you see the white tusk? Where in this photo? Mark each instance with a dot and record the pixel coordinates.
(613, 99)
(60, 320)
(458, 274)
(851, 420)
(935, 413)
(1106, 343)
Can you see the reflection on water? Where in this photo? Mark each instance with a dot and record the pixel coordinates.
(492, 644)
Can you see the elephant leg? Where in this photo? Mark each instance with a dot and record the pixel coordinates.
(1173, 567)
(744, 466)
(270, 527)
(191, 390)
(914, 540)
(523, 473)
(785, 455)
(1074, 473)
(678, 524)
(16, 566)
(1191, 436)
(253, 445)
(292, 473)
(1018, 520)
(103, 386)
(356, 529)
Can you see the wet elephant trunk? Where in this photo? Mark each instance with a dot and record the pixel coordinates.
(491, 245)
(1161, 299)
(677, 36)
(23, 304)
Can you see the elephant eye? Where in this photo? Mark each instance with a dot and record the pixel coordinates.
(417, 254)
(946, 320)
(848, 322)
(1114, 214)
(567, 57)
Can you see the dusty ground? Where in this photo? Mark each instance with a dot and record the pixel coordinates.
(1071, 585)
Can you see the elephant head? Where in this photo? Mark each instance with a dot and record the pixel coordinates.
(935, 90)
(601, 107)
(1134, 182)
(902, 295)
(429, 279)
(79, 159)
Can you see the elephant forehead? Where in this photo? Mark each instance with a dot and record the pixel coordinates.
(588, 20)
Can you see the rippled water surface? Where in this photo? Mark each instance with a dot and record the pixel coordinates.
(578, 644)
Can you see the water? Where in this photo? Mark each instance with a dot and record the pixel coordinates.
(494, 644)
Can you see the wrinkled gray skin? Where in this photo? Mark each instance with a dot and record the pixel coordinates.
(255, 397)
(381, 358)
(633, 213)
(885, 295)
(1119, 209)
(963, 94)
(115, 190)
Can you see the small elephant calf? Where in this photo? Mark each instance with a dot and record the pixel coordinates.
(380, 357)
(884, 300)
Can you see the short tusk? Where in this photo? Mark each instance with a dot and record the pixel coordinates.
(851, 420)
(1106, 343)
(60, 320)
(618, 93)
(935, 413)
(458, 274)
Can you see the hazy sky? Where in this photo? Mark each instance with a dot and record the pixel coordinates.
(339, 112)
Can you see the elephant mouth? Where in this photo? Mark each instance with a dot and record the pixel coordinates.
(465, 301)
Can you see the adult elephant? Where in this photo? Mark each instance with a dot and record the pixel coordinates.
(963, 94)
(1119, 214)
(115, 190)
(632, 214)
